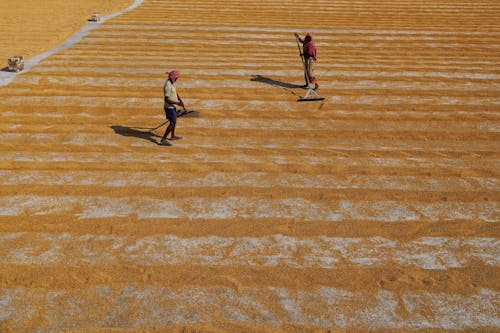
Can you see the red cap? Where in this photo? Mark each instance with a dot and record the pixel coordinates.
(173, 74)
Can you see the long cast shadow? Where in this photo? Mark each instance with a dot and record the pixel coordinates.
(263, 79)
(287, 86)
(130, 131)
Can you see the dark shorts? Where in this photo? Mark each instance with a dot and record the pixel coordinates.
(171, 114)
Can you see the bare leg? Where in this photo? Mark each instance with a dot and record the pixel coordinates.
(170, 128)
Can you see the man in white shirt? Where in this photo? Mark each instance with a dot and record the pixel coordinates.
(171, 100)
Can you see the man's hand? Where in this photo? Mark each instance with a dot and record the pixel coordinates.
(181, 103)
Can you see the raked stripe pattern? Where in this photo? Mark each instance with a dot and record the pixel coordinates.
(375, 209)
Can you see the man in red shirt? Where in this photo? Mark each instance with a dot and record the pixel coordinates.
(310, 57)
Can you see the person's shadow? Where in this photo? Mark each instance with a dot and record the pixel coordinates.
(287, 86)
(130, 131)
(263, 79)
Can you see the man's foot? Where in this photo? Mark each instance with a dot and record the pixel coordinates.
(175, 137)
(165, 143)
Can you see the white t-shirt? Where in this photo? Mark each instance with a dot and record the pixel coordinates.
(170, 93)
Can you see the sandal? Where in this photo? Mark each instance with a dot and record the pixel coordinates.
(164, 143)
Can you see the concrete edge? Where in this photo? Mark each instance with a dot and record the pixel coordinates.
(8, 77)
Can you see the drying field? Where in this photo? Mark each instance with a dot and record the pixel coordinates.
(377, 208)
(30, 27)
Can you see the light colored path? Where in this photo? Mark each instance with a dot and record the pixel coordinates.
(271, 251)
(7, 77)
